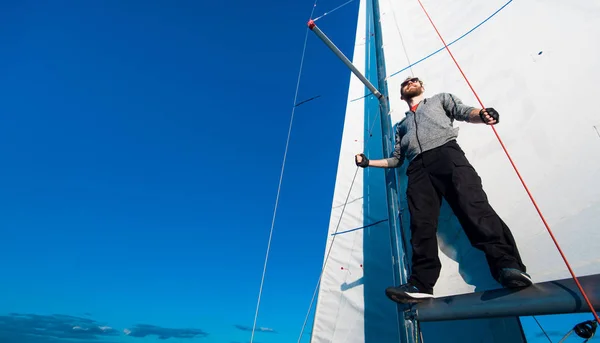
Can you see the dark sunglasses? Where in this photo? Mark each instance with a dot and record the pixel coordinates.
(414, 79)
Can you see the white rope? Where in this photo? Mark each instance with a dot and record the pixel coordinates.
(262, 280)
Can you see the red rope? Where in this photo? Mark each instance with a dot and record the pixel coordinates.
(587, 300)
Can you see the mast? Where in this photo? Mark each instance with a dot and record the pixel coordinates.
(408, 325)
(399, 250)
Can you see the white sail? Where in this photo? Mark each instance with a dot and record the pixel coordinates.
(539, 74)
(535, 62)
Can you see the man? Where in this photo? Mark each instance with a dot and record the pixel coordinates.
(438, 168)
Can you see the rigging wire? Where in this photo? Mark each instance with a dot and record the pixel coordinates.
(587, 300)
(262, 280)
(565, 336)
(401, 39)
(333, 10)
(544, 331)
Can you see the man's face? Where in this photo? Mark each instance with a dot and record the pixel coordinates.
(410, 88)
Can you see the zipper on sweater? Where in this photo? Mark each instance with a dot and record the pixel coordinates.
(417, 134)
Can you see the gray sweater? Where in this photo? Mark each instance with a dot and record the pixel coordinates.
(429, 127)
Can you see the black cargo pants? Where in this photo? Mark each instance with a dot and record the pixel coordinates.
(446, 172)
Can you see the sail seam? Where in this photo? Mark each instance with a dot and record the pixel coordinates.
(360, 228)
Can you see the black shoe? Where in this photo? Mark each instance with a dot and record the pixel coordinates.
(407, 294)
(513, 278)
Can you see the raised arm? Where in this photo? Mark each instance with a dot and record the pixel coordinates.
(461, 112)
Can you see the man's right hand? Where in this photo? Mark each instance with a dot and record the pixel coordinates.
(361, 160)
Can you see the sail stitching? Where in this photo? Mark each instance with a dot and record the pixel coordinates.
(517, 171)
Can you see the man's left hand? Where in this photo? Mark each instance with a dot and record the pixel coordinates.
(489, 116)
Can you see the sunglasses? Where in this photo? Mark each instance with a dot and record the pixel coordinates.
(414, 79)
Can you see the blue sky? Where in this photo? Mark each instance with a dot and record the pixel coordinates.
(141, 145)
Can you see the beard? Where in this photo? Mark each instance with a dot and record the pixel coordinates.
(412, 92)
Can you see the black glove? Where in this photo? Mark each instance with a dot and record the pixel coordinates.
(492, 113)
(364, 163)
